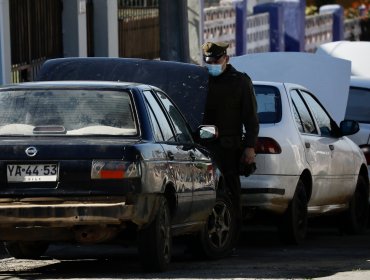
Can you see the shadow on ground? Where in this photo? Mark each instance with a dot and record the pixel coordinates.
(260, 254)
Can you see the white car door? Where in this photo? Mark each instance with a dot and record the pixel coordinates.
(341, 160)
(317, 153)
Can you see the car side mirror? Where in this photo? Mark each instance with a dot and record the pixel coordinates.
(349, 127)
(207, 132)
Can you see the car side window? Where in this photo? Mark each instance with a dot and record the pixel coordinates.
(358, 105)
(159, 119)
(326, 125)
(157, 130)
(182, 133)
(302, 115)
(269, 103)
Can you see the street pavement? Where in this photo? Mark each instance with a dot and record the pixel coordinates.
(326, 254)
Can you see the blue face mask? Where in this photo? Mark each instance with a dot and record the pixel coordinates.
(214, 69)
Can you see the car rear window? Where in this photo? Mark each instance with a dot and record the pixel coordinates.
(66, 112)
(358, 105)
(269, 104)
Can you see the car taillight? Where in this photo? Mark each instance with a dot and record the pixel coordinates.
(266, 145)
(210, 172)
(113, 169)
(366, 150)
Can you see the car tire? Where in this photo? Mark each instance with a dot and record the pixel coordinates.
(218, 236)
(293, 225)
(155, 241)
(355, 218)
(26, 249)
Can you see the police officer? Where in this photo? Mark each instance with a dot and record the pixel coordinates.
(231, 106)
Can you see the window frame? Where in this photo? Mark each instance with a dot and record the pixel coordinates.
(149, 106)
(356, 88)
(299, 94)
(170, 119)
(335, 131)
(278, 103)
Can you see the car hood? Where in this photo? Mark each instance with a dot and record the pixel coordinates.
(185, 83)
(327, 77)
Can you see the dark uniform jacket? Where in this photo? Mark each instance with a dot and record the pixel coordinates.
(230, 105)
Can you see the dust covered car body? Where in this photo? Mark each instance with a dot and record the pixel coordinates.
(99, 161)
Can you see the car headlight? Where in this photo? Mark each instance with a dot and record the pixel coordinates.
(114, 169)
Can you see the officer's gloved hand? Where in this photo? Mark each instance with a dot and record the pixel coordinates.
(246, 169)
(247, 164)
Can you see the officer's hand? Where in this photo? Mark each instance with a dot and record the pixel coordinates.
(247, 163)
(249, 155)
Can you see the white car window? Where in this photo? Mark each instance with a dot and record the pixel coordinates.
(326, 125)
(268, 103)
(302, 115)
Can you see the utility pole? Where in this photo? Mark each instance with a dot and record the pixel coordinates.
(173, 27)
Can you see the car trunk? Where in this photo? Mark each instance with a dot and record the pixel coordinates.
(62, 168)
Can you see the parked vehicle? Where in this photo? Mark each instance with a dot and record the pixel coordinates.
(358, 109)
(354, 51)
(306, 166)
(94, 162)
(359, 91)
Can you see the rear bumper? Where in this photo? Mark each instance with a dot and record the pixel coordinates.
(271, 193)
(76, 213)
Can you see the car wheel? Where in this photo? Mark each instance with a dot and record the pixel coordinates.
(355, 219)
(26, 249)
(155, 241)
(218, 236)
(293, 226)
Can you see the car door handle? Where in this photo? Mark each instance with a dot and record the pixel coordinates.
(170, 155)
(331, 147)
(307, 145)
(192, 155)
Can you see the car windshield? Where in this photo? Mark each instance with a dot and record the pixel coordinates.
(358, 105)
(268, 102)
(66, 112)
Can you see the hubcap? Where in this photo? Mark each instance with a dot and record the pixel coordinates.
(219, 225)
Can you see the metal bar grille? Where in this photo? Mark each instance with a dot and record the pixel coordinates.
(36, 35)
(138, 25)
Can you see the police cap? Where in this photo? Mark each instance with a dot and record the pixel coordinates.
(212, 51)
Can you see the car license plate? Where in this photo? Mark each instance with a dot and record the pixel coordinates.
(32, 172)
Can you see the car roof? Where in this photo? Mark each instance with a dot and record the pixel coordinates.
(278, 84)
(360, 82)
(355, 51)
(71, 84)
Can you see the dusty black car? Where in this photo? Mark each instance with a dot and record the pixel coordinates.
(102, 161)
